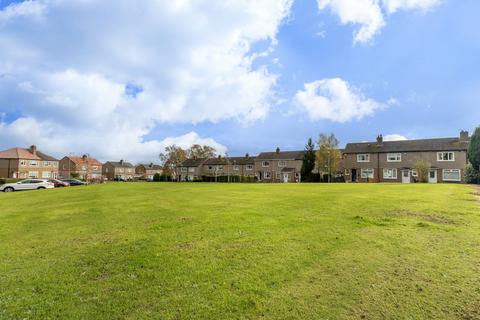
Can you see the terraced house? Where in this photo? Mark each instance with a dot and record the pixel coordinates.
(84, 167)
(229, 166)
(120, 170)
(147, 171)
(279, 166)
(395, 161)
(27, 163)
(190, 169)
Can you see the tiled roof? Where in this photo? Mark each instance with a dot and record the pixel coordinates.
(45, 157)
(442, 144)
(151, 166)
(82, 160)
(193, 162)
(18, 153)
(120, 164)
(230, 160)
(281, 155)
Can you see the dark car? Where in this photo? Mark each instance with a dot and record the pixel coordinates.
(59, 183)
(74, 182)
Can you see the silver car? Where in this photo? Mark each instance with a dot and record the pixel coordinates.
(28, 184)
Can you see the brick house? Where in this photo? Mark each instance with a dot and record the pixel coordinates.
(394, 161)
(120, 170)
(190, 169)
(279, 166)
(147, 171)
(229, 166)
(84, 167)
(24, 163)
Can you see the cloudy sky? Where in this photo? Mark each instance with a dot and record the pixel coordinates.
(123, 79)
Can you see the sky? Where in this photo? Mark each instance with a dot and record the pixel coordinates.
(124, 79)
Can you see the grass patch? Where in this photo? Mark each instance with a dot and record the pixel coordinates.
(240, 251)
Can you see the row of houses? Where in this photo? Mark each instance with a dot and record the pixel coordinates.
(376, 161)
(22, 163)
(379, 161)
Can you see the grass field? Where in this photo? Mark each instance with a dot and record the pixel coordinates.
(241, 251)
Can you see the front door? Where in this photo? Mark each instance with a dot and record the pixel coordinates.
(285, 177)
(432, 176)
(354, 175)
(406, 176)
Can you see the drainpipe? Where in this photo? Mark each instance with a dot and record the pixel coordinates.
(378, 166)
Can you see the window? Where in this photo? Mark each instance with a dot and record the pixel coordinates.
(347, 172)
(23, 163)
(46, 174)
(47, 164)
(367, 173)
(184, 169)
(267, 175)
(249, 167)
(95, 168)
(394, 157)
(282, 164)
(84, 168)
(236, 167)
(446, 156)
(265, 164)
(210, 168)
(389, 173)
(33, 163)
(363, 158)
(451, 175)
(33, 174)
(414, 173)
(279, 175)
(191, 169)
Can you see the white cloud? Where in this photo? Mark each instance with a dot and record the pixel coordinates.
(370, 14)
(394, 137)
(193, 61)
(335, 100)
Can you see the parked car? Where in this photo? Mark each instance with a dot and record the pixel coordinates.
(74, 182)
(28, 184)
(59, 183)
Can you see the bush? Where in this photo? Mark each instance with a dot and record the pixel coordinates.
(234, 179)
(157, 177)
(472, 176)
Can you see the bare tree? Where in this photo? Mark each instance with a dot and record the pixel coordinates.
(328, 155)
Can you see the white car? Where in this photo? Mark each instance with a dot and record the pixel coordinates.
(28, 184)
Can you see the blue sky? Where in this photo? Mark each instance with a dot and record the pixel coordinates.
(124, 83)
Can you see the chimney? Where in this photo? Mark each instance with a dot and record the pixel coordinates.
(33, 150)
(121, 162)
(278, 150)
(84, 157)
(464, 136)
(380, 140)
(247, 155)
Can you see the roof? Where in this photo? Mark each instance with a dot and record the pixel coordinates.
(22, 153)
(281, 155)
(120, 164)
(441, 144)
(151, 166)
(85, 160)
(230, 160)
(193, 162)
(45, 157)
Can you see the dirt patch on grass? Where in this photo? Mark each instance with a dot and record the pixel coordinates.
(438, 219)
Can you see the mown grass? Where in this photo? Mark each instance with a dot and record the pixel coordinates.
(241, 251)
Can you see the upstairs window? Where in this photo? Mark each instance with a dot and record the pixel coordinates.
(191, 169)
(446, 156)
(363, 157)
(249, 167)
(265, 164)
(394, 157)
(236, 167)
(184, 169)
(33, 163)
(282, 164)
(23, 163)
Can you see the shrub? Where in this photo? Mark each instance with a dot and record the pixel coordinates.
(157, 177)
(423, 168)
(472, 176)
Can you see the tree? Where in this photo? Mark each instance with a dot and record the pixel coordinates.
(157, 177)
(171, 159)
(328, 155)
(198, 151)
(471, 175)
(308, 164)
(423, 169)
(474, 150)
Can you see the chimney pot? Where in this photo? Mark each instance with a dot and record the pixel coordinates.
(380, 139)
(247, 155)
(464, 135)
(278, 150)
(84, 157)
(33, 150)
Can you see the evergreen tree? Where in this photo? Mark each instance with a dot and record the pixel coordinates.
(474, 150)
(308, 161)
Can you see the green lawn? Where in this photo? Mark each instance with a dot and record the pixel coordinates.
(241, 251)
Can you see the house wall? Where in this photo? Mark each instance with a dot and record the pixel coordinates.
(378, 162)
(274, 169)
(84, 171)
(12, 168)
